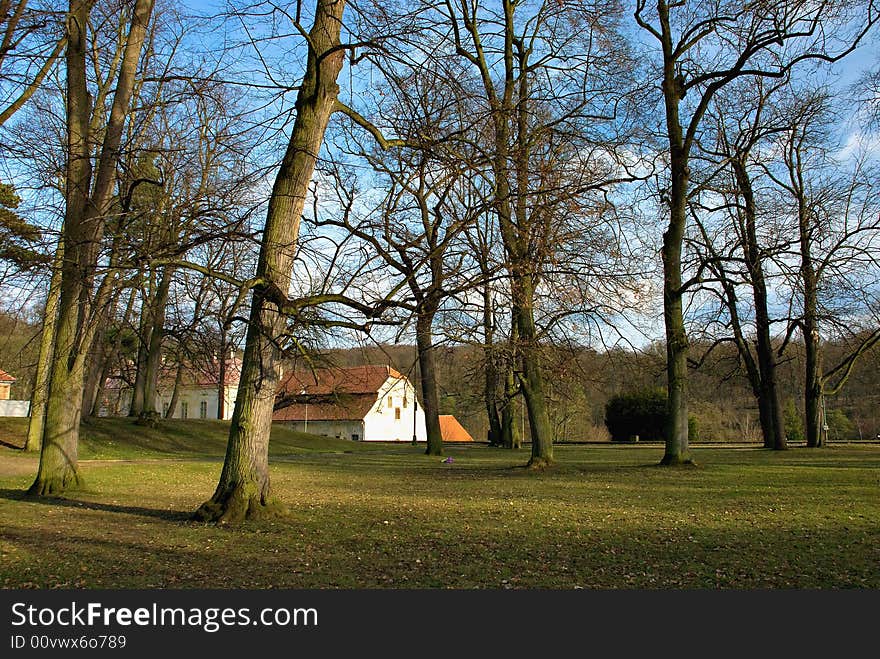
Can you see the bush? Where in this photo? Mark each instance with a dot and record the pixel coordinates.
(693, 429)
(642, 414)
(794, 423)
(840, 428)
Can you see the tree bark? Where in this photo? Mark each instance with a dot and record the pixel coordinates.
(40, 394)
(225, 353)
(153, 359)
(427, 368)
(136, 405)
(79, 305)
(94, 370)
(676, 428)
(59, 468)
(532, 380)
(175, 393)
(812, 358)
(490, 382)
(97, 369)
(244, 489)
(765, 387)
(511, 435)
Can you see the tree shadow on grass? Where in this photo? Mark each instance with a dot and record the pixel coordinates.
(168, 515)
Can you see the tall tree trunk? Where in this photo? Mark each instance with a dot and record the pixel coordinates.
(766, 390)
(490, 388)
(427, 368)
(522, 293)
(532, 380)
(244, 489)
(115, 351)
(79, 305)
(175, 393)
(221, 387)
(511, 437)
(743, 346)
(153, 359)
(511, 433)
(772, 425)
(225, 353)
(675, 431)
(40, 394)
(101, 388)
(490, 382)
(812, 360)
(94, 370)
(59, 468)
(136, 407)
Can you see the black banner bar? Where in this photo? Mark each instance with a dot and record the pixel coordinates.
(123, 622)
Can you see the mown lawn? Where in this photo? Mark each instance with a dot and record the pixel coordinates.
(386, 516)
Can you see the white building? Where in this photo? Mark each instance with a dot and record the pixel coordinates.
(361, 403)
(198, 392)
(9, 407)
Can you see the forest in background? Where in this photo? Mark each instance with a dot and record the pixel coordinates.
(581, 382)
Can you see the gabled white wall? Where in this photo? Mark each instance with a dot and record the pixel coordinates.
(380, 424)
(193, 396)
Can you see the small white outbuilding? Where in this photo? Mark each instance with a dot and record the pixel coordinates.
(361, 403)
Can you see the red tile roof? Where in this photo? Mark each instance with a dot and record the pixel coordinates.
(347, 407)
(5, 377)
(337, 380)
(452, 430)
(198, 374)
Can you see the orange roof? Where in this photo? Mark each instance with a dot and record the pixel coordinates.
(5, 377)
(452, 430)
(337, 380)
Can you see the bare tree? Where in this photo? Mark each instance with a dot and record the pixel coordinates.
(542, 76)
(244, 489)
(88, 197)
(416, 225)
(703, 47)
(741, 252)
(834, 270)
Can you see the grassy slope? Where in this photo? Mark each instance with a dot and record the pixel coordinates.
(121, 438)
(388, 516)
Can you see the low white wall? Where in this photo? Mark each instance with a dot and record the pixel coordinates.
(14, 407)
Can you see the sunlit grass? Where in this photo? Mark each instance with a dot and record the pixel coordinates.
(390, 517)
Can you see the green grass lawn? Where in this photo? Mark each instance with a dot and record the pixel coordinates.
(387, 516)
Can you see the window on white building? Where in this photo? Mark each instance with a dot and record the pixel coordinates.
(184, 410)
(203, 409)
(396, 413)
(390, 402)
